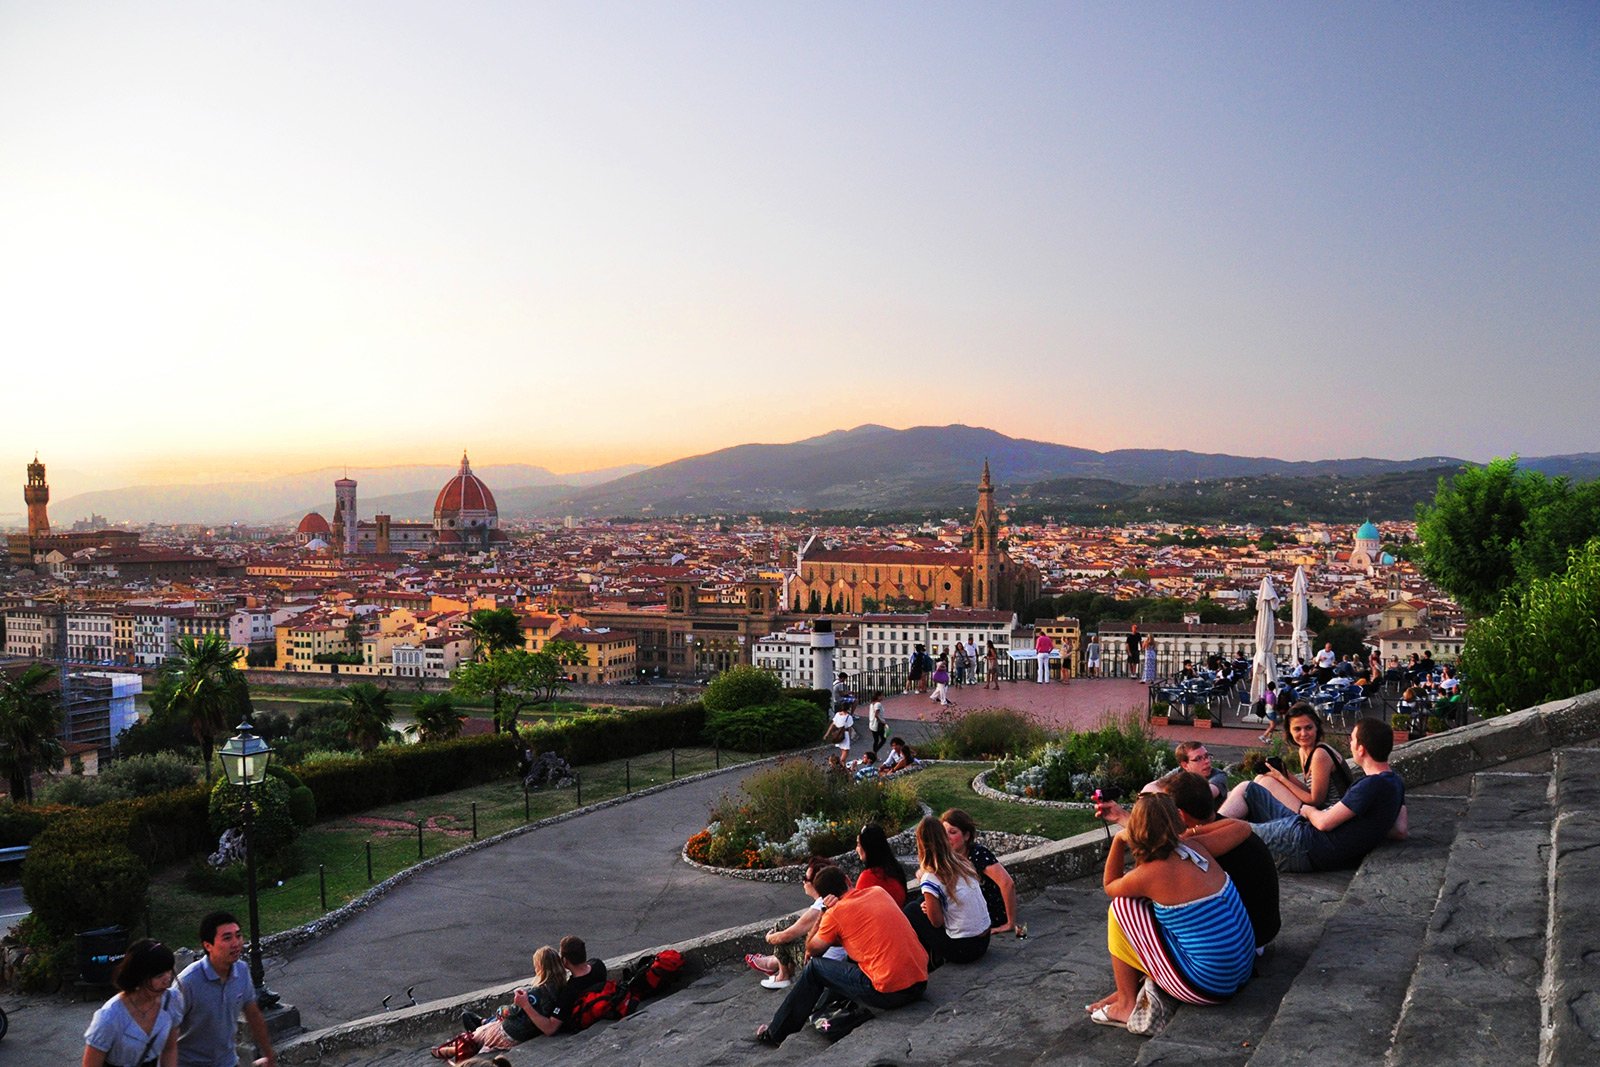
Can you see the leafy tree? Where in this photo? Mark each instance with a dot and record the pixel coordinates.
(30, 727)
(519, 679)
(208, 689)
(742, 687)
(1471, 532)
(1568, 520)
(165, 729)
(1541, 644)
(494, 630)
(437, 718)
(1346, 640)
(368, 713)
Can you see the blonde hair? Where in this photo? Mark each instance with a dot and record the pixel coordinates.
(1154, 827)
(548, 971)
(935, 856)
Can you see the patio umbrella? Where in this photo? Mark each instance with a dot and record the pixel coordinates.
(1300, 641)
(1264, 666)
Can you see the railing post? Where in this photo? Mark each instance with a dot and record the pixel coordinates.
(419, 839)
(322, 885)
(525, 811)
(369, 862)
(674, 764)
(627, 776)
(474, 820)
(578, 779)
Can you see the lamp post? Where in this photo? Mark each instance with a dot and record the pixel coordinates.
(244, 761)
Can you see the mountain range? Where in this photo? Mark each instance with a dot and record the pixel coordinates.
(868, 468)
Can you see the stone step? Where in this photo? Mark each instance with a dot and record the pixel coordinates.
(1571, 992)
(1473, 998)
(1343, 1004)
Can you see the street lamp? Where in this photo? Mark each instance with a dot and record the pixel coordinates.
(244, 761)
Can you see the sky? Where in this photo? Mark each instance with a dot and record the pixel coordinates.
(248, 238)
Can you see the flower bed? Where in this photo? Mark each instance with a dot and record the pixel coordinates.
(1117, 759)
(794, 810)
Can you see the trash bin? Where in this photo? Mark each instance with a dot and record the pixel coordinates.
(99, 951)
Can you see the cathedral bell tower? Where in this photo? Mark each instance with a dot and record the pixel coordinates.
(985, 550)
(37, 495)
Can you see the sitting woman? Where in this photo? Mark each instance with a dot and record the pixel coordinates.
(1323, 777)
(951, 917)
(879, 865)
(527, 1016)
(999, 891)
(900, 758)
(1175, 918)
(789, 941)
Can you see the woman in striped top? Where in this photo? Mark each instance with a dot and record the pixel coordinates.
(1175, 917)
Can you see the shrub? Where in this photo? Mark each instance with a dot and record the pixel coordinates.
(345, 784)
(987, 733)
(273, 827)
(1119, 758)
(766, 727)
(796, 809)
(821, 698)
(1540, 645)
(21, 823)
(76, 790)
(594, 738)
(742, 687)
(302, 805)
(81, 873)
(145, 776)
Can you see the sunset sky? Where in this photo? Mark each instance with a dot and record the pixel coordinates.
(254, 238)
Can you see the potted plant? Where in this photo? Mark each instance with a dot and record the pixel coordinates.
(1436, 724)
(1402, 727)
(1202, 716)
(1158, 713)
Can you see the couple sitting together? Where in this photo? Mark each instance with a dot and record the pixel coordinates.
(870, 945)
(560, 979)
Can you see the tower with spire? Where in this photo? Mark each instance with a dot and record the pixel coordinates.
(37, 495)
(987, 567)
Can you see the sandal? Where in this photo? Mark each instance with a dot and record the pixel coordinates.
(751, 958)
(1099, 1016)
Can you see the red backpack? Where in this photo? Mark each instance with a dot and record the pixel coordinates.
(648, 978)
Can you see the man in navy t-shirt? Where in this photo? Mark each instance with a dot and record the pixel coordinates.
(1374, 808)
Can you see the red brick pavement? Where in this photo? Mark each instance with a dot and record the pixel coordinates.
(1082, 704)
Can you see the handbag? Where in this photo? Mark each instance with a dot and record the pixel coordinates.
(1151, 1011)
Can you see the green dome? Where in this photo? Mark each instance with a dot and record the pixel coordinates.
(1368, 532)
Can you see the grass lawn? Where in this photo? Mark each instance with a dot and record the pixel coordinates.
(340, 845)
(948, 785)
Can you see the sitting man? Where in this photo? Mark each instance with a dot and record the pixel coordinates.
(887, 966)
(1329, 839)
(866, 767)
(1193, 759)
(1242, 854)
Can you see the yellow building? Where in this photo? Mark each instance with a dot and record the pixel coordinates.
(613, 655)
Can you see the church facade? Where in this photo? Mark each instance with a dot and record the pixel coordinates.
(982, 576)
(465, 519)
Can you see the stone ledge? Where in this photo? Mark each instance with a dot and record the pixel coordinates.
(1486, 744)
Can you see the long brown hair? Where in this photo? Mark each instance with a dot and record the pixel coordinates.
(935, 856)
(1154, 828)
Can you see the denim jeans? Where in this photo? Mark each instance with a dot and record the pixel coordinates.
(942, 948)
(844, 977)
(1285, 833)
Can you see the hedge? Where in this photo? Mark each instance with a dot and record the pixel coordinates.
(618, 735)
(392, 773)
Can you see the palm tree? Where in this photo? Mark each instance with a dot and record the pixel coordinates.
(30, 727)
(209, 689)
(494, 631)
(368, 713)
(437, 718)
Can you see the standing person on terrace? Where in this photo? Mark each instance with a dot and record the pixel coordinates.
(991, 666)
(1092, 653)
(1149, 661)
(1042, 647)
(1135, 644)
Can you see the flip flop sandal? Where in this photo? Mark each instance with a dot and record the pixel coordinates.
(1099, 1016)
(751, 959)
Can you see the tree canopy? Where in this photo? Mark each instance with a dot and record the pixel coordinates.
(30, 725)
(208, 689)
(518, 679)
(1493, 530)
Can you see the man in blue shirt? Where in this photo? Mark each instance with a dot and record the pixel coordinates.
(216, 988)
(1327, 839)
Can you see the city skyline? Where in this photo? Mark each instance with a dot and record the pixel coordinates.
(246, 242)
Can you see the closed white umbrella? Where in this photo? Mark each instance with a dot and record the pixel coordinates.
(1300, 640)
(1264, 666)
